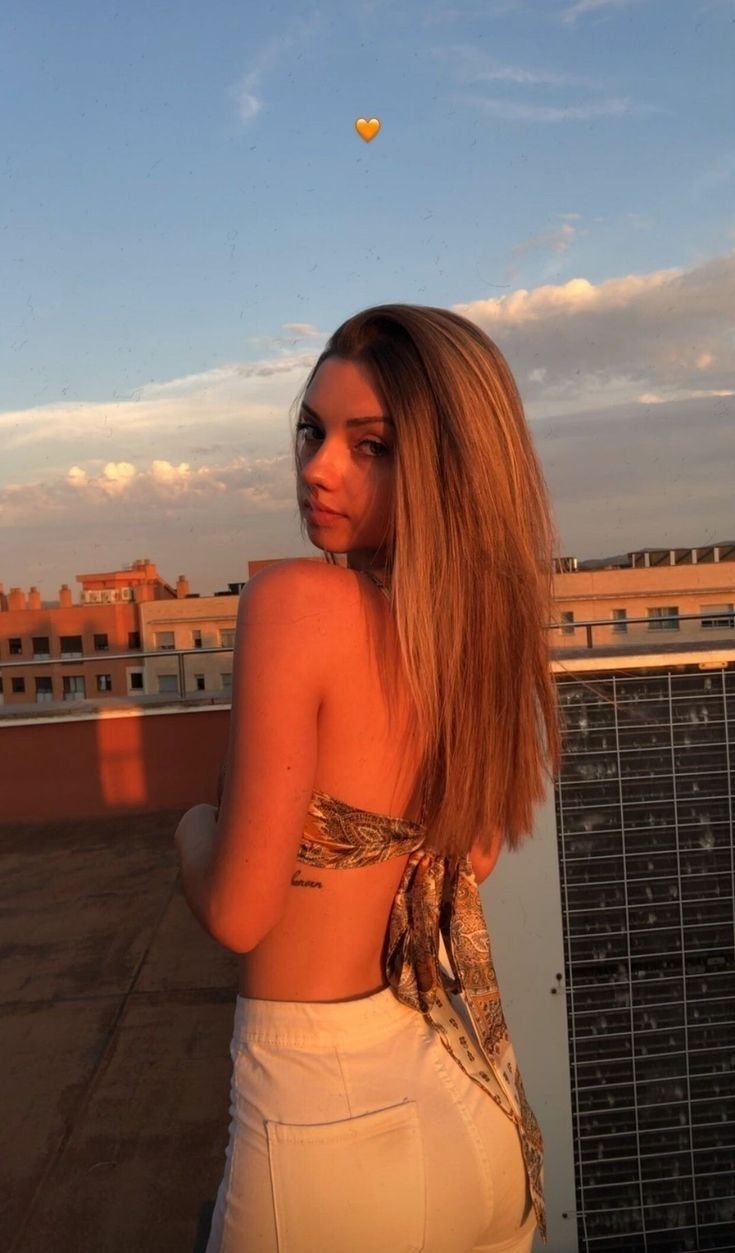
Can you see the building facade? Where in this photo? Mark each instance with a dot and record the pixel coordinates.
(105, 647)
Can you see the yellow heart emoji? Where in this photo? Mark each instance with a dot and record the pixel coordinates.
(368, 130)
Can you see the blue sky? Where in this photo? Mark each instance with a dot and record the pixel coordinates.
(188, 212)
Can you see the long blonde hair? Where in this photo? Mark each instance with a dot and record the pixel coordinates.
(472, 550)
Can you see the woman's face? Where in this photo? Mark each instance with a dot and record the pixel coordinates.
(345, 465)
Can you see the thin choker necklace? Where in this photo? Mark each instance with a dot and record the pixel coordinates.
(379, 583)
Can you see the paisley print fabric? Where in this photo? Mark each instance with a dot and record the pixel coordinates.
(436, 895)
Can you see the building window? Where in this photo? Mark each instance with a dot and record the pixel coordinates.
(199, 683)
(227, 639)
(71, 645)
(663, 618)
(164, 639)
(567, 618)
(104, 682)
(227, 682)
(101, 642)
(15, 645)
(44, 689)
(620, 624)
(18, 685)
(717, 616)
(196, 637)
(74, 687)
(168, 683)
(133, 639)
(39, 644)
(136, 680)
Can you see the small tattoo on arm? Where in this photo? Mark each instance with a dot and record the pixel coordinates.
(305, 883)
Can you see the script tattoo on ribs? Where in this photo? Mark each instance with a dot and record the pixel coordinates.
(304, 883)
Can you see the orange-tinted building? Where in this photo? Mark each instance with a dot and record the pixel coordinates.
(98, 649)
(104, 625)
(108, 646)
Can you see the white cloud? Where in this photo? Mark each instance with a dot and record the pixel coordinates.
(116, 475)
(608, 342)
(468, 12)
(92, 494)
(266, 60)
(547, 113)
(593, 6)
(212, 449)
(296, 331)
(474, 65)
(248, 104)
(637, 220)
(248, 394)
(556, 239)
(302, 330)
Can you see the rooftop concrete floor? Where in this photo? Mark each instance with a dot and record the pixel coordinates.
(116, 1014)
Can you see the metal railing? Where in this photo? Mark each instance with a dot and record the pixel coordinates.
(724, 620)
(134, 655)
(723, 624)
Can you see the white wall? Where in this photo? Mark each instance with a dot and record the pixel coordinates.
(522, 905)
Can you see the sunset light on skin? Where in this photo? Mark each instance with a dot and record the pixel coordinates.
(439, 296)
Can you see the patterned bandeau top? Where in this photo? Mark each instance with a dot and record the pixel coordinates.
(436, 895)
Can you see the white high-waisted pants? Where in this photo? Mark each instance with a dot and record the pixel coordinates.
(353, 1130)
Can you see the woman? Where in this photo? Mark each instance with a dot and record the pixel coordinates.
(385, 743)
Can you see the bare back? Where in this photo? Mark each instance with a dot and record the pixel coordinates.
(329, 943)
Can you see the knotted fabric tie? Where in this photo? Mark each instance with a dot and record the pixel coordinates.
(440, 895)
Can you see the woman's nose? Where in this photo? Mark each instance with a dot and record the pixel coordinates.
(321, 461)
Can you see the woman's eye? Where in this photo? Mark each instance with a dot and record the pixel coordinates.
(307, 426)
(380, 450)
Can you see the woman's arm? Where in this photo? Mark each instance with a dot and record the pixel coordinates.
(238, 858)
(196, 841)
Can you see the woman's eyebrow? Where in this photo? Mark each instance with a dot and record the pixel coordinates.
(378, 417)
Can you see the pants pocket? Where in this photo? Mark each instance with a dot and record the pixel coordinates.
(357, 1184)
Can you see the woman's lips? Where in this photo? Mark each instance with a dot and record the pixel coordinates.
(322, 517)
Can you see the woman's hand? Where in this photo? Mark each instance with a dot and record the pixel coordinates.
(183, 833)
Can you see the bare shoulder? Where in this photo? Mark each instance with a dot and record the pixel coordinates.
(301, 586)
